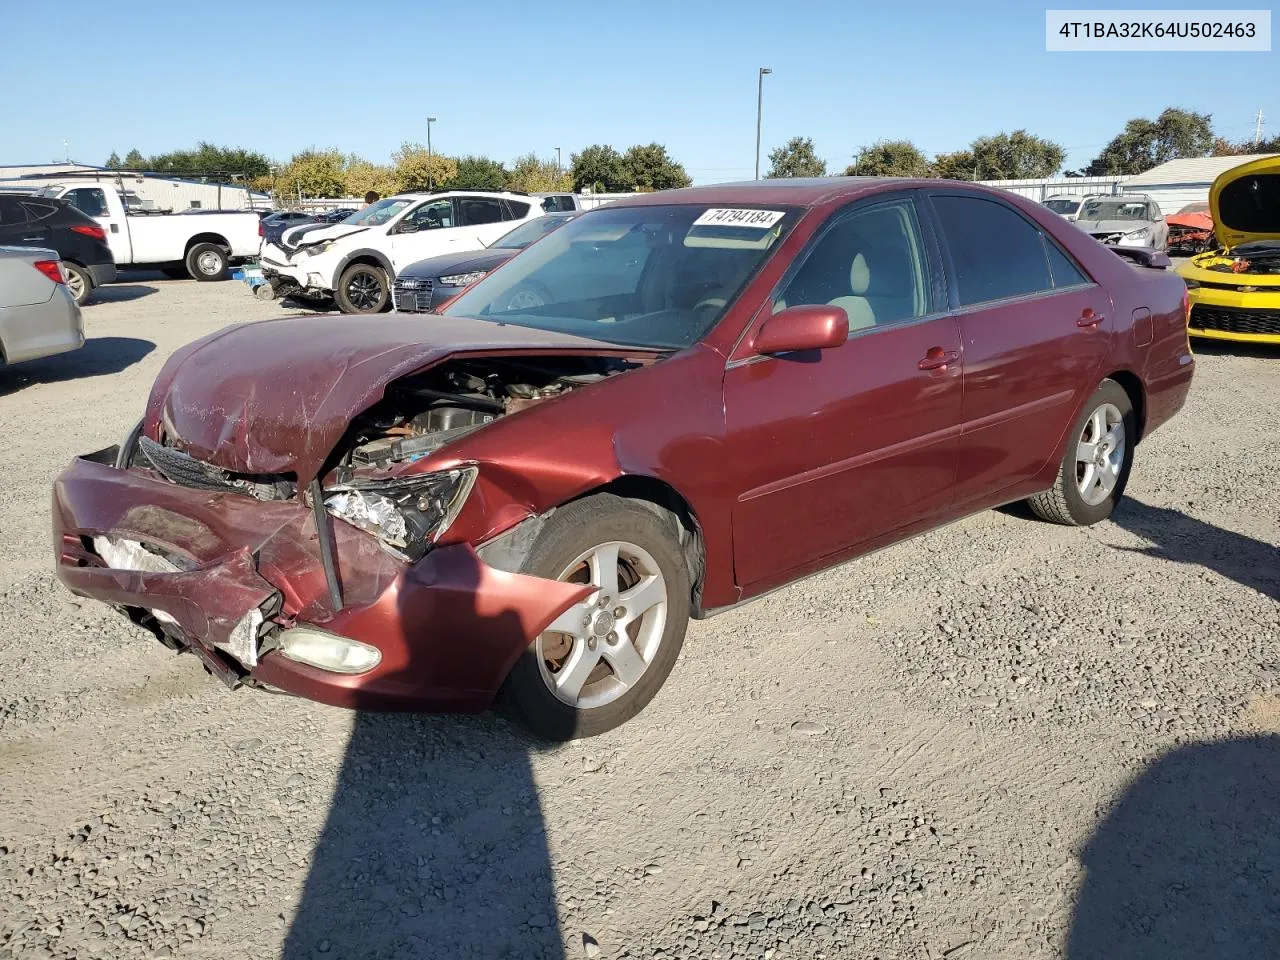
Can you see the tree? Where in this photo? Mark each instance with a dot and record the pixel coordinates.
(361, 176)
(651, 168)
(1015, 156)
(1145, 143)
(953, 166)
(889, 158)
(599, 168)
(480, 173)
(314, 173)
(796, 158)
(417, 169)
(209, 160)
(113, 161)
(532, 175)
(133, 160)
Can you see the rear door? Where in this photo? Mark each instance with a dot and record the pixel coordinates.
(1034, 328)
(482, 219)
(17, 228)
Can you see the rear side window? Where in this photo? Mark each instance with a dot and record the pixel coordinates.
(995, 252)
(476, 211)
(39, 209)
(11, 211)
(90, 201)
(515, 210)
(1065, 272)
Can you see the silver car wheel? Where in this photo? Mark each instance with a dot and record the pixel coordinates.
(1100, 453)
(597, 650)
(209, 263)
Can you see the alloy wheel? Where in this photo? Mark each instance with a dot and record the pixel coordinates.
(600, 648)
(363, 290)
(1100, 453)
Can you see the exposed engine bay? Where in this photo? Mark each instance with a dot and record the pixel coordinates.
(1262, 256)
(424, 412)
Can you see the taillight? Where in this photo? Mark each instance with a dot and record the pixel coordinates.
(1186, 305)
(51, 269)
(261, 230)
(90, 230)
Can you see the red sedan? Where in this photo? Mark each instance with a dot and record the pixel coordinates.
(667, 407)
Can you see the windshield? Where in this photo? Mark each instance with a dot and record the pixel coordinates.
(1114, 210)
(379, 212)
(659, 276)
(1063, 206)
(526, 233)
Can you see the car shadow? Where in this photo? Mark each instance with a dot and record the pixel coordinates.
(98, 356)
(434, 845)
(1183, 539)
(1186, 866)
(119, 293)
(1232, 348)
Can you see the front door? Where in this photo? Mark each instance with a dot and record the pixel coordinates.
(833, 450)
(1030, 351)
(428, 230)
(92, 202)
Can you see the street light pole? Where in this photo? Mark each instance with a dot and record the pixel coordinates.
(557, 162)
(430, 121)
(759, 113)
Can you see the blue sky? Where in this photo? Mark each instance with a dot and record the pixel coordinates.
(510, 77)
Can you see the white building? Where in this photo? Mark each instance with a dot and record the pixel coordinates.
(1177, 183)
(157, 193)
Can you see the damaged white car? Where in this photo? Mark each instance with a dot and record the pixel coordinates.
(355, 260)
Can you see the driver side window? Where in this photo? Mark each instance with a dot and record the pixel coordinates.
(871, 263)
(432, 216)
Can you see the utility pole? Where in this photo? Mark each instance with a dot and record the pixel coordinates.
(759, 113)
(557, 163)
(66, 146)
(1257, 130)
(430, 121)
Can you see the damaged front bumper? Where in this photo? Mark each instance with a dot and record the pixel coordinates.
(228, 577)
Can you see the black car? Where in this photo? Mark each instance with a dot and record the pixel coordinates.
(335, 216)
(277, 223)
(421, 286)
(81, 242)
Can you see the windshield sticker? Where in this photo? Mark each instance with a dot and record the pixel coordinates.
(753, 219)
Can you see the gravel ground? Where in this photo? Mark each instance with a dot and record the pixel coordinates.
(1002, 740)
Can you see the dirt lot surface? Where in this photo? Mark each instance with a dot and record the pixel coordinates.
(1002, 740)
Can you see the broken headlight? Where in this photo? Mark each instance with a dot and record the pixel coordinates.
(407, 514)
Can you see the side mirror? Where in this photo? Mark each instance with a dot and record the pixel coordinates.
(803, 328)
(408, 226)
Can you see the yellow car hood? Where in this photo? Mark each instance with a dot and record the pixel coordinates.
(1245, 202)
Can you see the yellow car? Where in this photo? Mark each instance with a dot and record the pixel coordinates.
(1235, 290)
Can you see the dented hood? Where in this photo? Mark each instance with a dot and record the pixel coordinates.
(277, 396)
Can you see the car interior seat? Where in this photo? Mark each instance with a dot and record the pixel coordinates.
(881, 285)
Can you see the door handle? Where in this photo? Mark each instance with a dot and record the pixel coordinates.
(937, 359)
(31, 239)
(1088, 318)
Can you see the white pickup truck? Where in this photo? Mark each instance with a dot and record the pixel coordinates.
(203, 245)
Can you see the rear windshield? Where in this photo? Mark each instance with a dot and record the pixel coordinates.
(1063, 206)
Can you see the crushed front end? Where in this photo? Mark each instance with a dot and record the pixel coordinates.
(1235, 295)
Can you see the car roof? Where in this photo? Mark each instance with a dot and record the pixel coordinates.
(799, 191)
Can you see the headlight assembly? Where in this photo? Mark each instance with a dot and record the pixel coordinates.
(318, 249)
(407, 514)
(462, 279)
(1191, 284)
(1138, 234)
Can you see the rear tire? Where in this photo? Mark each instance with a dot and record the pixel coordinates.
(609, 661)
(363, 288)
(79, 283)
(207, 262)
(1095, 467)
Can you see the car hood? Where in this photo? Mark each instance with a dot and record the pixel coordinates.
(452, 263)
(318, 233)
(1245, 202)
(1111, 226)
(276, 396)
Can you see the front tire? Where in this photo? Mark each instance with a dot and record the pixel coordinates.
(79, 283)
(363, 288)
(207, 262)
(1095, 467)
(601, 662)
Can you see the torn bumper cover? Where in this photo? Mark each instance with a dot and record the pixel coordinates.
(228, 577)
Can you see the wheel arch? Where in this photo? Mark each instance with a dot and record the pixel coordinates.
(1134, 387)
(217, 239)
(364, 255)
